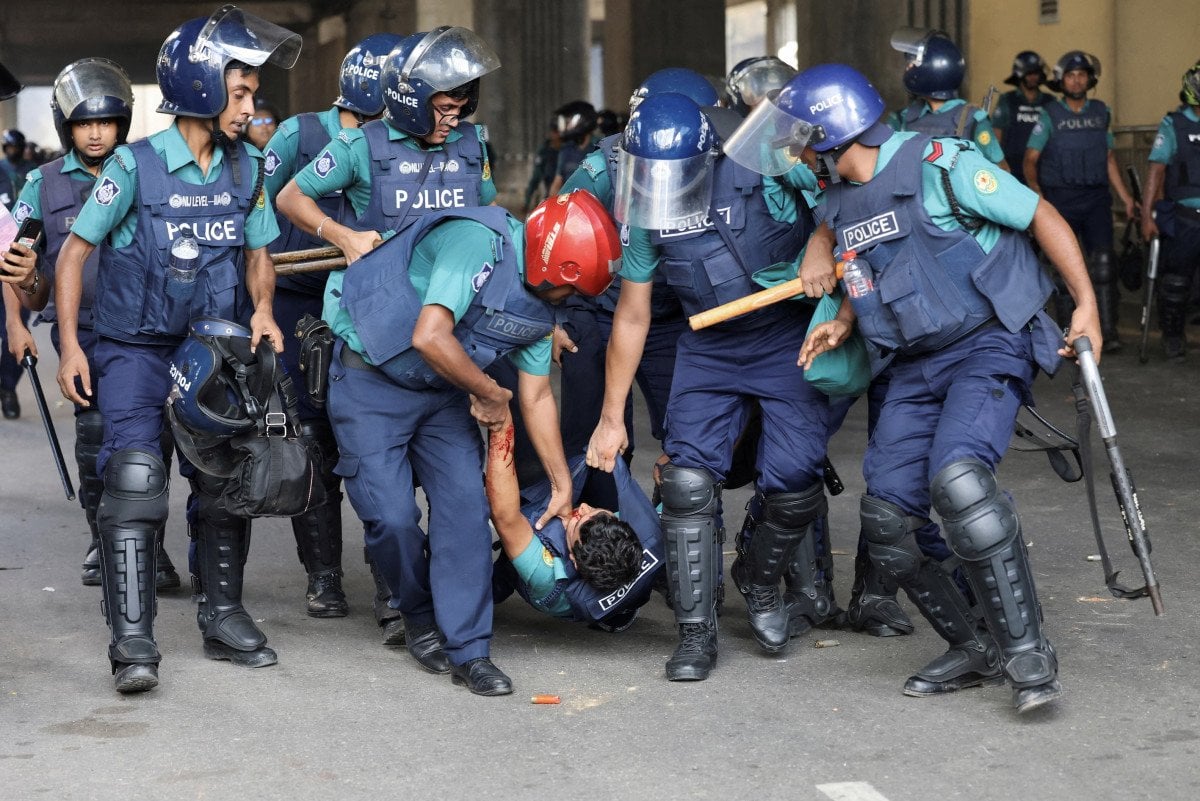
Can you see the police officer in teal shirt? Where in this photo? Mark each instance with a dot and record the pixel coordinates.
(199, 178)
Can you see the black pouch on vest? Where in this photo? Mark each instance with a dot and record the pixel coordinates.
(278, 477)
(316, 350)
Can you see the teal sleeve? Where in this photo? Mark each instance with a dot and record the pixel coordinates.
(1000, 119)
(447, 260)
(1041, 132)
(343, 164)
(592, 176)
(639, 258)
(111, 201)
(539, 576)
(29, 203)
(1162, 152)
(895, 121)
(534, 358)
(261, 226)
(281, 156)
(487, 188)
(985, 138)
(989, 193)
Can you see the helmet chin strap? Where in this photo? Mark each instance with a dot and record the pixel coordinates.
(229, 145)
(827, 164)
(93, 161)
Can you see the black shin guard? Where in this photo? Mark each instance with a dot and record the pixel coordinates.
(132, 506)
(690, 500)
(984, 532)
(89, 435)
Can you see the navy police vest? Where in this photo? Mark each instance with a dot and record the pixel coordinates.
(407, 183)
(587, 603)
(383, 304)
(61, 197)
(313, 139)
(1183, 171)
(944, 122)
(932, 286)
(1076, 154)
(1022, 117)
(705, 270)
(8, 189)
(137, 300)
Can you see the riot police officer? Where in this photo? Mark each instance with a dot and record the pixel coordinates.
(753, 79)
(417, 321)
(577, 133)
(194, 181)
(961, 348)
(1017, 110)
(1069, 160)
(296, 143)
(702, 219)
(92, 104)
(933, 73)
(1175, 172)
(14, 162)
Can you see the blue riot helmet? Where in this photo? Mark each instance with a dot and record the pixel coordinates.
(1025, 63)
(9, 85)
(360, 84)
(447, 59)
(192, 61)
(665, 164)
(220, 388)
(1075, 60)
(827, 107)
(679, 80)
(91, 89)
(753, 79)
(935, 65)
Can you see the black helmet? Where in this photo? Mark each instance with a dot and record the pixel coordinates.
(576, 119)
(1025, 63)
(14, 138)
(91, 89)
(1071, 61)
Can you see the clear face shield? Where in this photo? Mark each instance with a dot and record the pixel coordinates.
(911, 42)
(92, 79)
(758, 81)
(234, 35)
(663, 194)
(449, 57)
(769, 141)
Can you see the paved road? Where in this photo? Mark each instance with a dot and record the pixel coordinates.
(342, 717)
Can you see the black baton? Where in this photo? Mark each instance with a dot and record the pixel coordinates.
(30, 364)
(1131, 512)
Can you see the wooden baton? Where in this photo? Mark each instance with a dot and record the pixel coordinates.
(313, 266)
(767, 297)
(293, 256)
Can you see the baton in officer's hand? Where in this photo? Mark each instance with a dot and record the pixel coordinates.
(1131, 513)
(30, 363)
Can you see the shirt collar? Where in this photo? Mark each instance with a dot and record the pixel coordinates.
(177, 154)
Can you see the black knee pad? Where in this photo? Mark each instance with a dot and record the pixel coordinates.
(1174, 289)
(135, 489)
(792, 510)
(890, 541)
(979, 520)
(89, 429)
(688, 492)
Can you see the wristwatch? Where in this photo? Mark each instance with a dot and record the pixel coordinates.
(37, 282)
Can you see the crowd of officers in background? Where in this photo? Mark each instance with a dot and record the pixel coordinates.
(394, 158)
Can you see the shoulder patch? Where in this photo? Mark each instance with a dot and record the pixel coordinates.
(487, 170)
(21, 212)
(547, 557)
(591, 168)
(106, 191)
(985, 182)
(121, 161)
(1159, 141)
(271, 161)
(480, 278)
(342, 135)
(324, 164)
(984, 138)
(935, 151)
(482, 132)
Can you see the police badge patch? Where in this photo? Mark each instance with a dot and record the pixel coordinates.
(106, 191)
(21, 211)
(985, 182)
(324, 164)
(480, 278)
(271, 162)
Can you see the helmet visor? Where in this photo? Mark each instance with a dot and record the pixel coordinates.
(234, 35)
(662, 194)
(448, 57)
(91, 79)
(9, 85)
(769, 141)
(759, 80)
(911, 42)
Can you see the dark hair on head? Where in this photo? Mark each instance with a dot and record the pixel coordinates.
(241, 66)
(608, 554)
(466, 91)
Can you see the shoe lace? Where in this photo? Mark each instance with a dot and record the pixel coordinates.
(693, 637)
(763, 598)
(326, 583)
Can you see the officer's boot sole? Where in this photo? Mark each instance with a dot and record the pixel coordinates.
(328, 611)
(1027, 699)
(260, 657)
(918, 687)
(136, 678)
(692, 670)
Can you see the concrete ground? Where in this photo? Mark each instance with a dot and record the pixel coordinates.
(340, 716)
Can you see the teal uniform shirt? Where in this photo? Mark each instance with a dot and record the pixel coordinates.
(985, 135)
(1045, 128)
(118, 219)
(443, 266)
(592, 175)
(782, 196)
(350, 158)
(541, 570)
(1164, 149)
(285, 144)
(29, 206)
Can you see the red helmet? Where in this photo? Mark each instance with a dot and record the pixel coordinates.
(570, 240)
